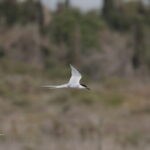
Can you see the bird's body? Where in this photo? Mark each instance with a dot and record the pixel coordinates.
(74, 81)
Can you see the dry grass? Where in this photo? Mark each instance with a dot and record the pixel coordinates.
(112, 116)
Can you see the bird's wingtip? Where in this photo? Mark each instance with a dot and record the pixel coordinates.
(71, 66)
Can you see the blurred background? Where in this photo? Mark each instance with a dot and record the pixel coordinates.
(108, 41)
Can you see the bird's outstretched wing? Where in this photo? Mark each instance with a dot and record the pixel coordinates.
(55, 86)
(75, 76)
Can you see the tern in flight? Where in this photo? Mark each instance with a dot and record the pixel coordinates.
(74, 81)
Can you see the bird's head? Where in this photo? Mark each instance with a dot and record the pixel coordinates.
(86, 87)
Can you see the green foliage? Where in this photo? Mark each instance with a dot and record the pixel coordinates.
(91, 25)
(126, 16)
(65, 24)
(108, 9)
(76, 32)
(28, 11)
(12, 12)
(120, 23)
(9, 12)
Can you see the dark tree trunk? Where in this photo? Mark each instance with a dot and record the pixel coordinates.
(67, 3)
(138, 32)
(107, 9)
(40, 15)
(9, 9)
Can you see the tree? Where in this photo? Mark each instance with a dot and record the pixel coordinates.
(138, 45)
(138, 37)
(107, 10)
(67, 3)
(28, 11)
(75, 33)
(40, 15)
(9, 11)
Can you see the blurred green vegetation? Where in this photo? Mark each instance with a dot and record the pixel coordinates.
(126, 15)
(12, 12)
(77, 33)
(69, 21)
(74, 35)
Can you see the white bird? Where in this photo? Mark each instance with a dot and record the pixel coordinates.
(74, 81)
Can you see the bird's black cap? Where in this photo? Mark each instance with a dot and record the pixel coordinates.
(85, 86)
